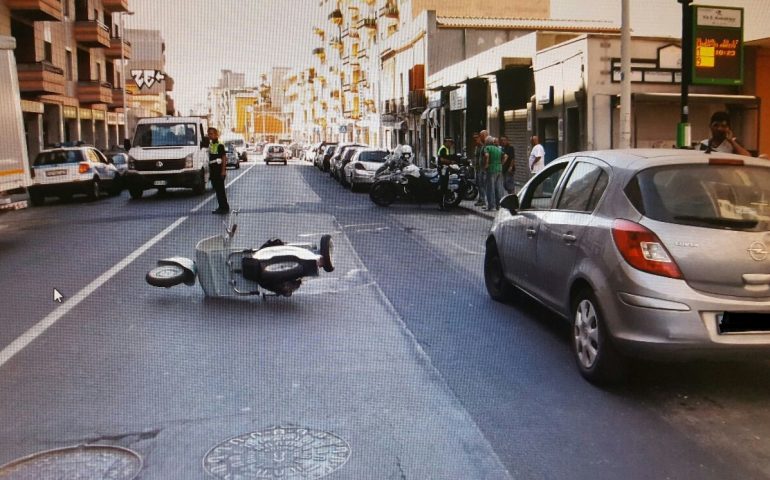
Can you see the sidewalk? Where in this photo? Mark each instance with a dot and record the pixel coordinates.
(470, 205)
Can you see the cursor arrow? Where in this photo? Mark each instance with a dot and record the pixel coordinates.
(57, 296)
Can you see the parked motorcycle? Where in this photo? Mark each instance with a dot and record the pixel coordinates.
(227, 271)
(398, 178)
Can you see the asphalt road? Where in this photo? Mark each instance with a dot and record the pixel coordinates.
(398, 356)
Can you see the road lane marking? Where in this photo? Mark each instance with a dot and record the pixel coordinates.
(465, 250)
(204, 202)
(30, 335)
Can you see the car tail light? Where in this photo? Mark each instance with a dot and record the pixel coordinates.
(84, 168)
(359, 166)
(643, 250)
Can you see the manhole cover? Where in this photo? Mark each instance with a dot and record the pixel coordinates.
(85, 462)
(287, 453)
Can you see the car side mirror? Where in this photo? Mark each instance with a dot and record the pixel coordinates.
(510, 203)
(205, 143)
(126, 144)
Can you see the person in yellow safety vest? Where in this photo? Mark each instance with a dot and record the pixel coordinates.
(444, 153)
(218, 170)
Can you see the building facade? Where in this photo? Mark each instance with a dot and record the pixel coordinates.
(68, 61)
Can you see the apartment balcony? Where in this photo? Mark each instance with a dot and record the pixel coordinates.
(113, 6)
(117, 98)
(41, 78)
(417, 101)
(91, 92)
(115, 46)
(92, 34)
(36, 10)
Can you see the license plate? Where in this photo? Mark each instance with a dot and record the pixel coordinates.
(55, 173)
(159, 183)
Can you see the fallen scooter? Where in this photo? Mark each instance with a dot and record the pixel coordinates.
(226, 271)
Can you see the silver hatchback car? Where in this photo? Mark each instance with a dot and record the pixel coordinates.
(646, 252)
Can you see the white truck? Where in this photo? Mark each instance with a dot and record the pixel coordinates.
(14, 164)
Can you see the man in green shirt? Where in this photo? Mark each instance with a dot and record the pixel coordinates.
(493, 165)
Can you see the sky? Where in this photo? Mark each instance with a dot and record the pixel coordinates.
(204, 37)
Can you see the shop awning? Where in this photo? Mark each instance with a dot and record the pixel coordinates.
(747, 100)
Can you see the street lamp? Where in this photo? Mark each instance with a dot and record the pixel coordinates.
(123, 76)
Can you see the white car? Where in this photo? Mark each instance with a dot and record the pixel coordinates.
(275, 152)
(361, 168)
(67, 171)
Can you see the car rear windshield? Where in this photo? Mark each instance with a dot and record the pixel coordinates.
(165, 135)
(379, 156)
(712, 196)
(275, 149)
(58, 157)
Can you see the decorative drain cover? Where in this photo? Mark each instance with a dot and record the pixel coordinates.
(85, 462)
(285, 453)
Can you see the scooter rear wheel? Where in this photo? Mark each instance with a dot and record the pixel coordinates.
(281, 271)
(165, 276)
(326, 250)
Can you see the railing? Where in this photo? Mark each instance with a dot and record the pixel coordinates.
(43, 66)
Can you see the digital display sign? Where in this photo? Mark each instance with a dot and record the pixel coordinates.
(717, 46)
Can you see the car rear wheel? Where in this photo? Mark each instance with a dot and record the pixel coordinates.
(498, 287)
(95, 191)
(595, 355)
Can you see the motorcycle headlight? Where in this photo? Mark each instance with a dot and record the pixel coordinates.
(188, 161)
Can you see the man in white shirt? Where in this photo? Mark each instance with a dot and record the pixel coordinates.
(722, 138)
(536, 155)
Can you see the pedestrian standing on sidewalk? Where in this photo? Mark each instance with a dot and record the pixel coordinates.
(218, 170)
(509, 164)
(536, 155)
(493, 165)
(481, 174)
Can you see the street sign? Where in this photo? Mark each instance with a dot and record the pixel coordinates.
(717, 45)
(343, 129)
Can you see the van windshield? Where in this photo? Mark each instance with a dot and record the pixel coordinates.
(165, 135)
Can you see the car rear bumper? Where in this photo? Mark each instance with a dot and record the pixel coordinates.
(684, 324)
(177, 179)
(360, 179)
(55, 189)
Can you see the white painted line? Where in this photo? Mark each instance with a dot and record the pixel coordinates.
(204, 202)
(361, 225)
(465, 250)
(304, 235)
(30, 335)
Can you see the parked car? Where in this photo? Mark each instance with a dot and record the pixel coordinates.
(233, 157)
(336, 158)
(276, 153)
(325, 151)
(646, 252)
(343, 160)
(67, 171)
(362, 167)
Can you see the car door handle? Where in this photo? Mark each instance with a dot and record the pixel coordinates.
(568, 238)
(531, 232)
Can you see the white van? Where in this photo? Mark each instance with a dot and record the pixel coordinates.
(168, 152)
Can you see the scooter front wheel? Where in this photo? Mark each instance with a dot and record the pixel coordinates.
(165, 276)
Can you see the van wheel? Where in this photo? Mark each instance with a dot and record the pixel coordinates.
(200, 187)
(36, 199)
(136, 193)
